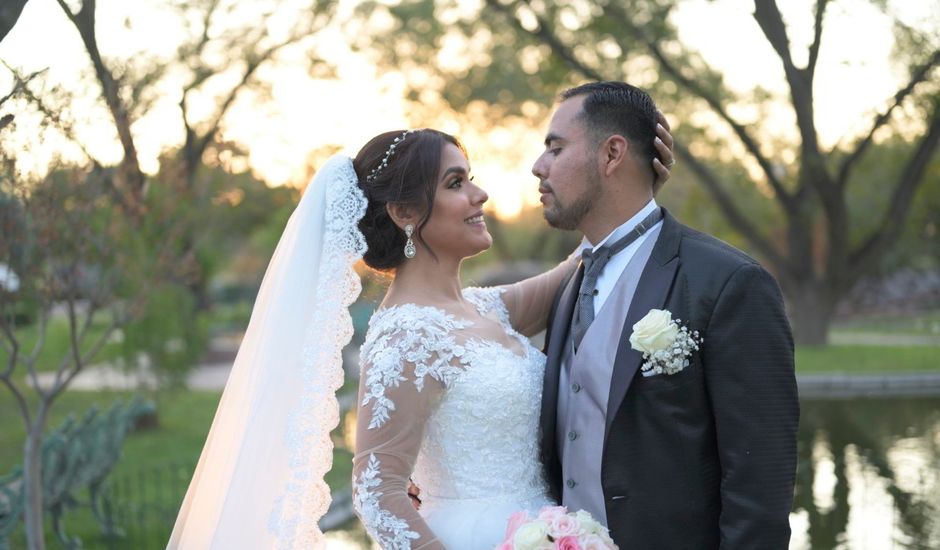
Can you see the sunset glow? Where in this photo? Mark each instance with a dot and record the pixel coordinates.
(308, 114)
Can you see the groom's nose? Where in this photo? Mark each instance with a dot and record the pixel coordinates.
(539, 169)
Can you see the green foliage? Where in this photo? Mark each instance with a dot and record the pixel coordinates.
(170, 332)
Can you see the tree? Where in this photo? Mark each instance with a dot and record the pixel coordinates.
(98, 240)
(519, 53)
(9, 14)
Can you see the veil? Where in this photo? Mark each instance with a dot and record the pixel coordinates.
(259, 481)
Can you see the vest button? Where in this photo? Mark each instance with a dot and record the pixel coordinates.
(572, 435)
(576, 387)
(596, 292)
(570, 483)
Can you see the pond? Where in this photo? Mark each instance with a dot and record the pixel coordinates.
(868, 477)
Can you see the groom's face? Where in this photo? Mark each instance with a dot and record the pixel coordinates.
(569, 182)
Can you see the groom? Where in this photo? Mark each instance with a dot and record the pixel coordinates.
(693, 450)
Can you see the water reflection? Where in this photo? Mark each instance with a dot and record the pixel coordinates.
(868, 474)
(868, 477)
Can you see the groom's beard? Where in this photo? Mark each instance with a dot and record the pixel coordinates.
(569, 216)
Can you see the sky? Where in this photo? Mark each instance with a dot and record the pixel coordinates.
(855, 78)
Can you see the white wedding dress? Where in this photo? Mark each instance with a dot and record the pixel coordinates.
(453, 404)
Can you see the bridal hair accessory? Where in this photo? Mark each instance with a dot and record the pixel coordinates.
(555, 527)
(410, 250)
(665, 344)
(388, 155)
(279, 404)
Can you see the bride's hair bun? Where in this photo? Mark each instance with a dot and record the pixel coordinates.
(404, 174)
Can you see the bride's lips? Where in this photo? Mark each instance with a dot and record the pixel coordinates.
(476, 219)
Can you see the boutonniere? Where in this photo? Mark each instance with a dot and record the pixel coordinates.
(666, 345)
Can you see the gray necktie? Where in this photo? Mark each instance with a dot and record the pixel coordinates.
(593, 264)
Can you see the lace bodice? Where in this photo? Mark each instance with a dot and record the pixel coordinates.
(445, 402)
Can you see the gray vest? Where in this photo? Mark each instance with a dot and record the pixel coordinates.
(584, 388)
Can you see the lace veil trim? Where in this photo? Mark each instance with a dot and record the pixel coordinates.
(307, 496)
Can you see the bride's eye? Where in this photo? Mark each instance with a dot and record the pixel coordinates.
(456, 183)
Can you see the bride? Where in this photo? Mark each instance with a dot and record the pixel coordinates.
(450, 385)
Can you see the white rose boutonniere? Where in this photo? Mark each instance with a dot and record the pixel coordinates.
(666, 345)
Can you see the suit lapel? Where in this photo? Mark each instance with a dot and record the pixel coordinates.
(652, 290)
(561, 324)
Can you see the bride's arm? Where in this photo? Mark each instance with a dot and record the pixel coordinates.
(393, 409)
(530, 300)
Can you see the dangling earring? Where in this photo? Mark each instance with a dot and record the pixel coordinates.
(409, 245)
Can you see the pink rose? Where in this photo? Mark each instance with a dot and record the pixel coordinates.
(567, 543)
(515, 522)
(551, 513)
(564, 526)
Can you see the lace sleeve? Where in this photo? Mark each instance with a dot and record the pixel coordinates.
(530, 300)
(407, 361)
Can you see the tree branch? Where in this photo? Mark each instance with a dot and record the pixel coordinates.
(84, 359)
(891, 227)
(10, 11)
(920, 75)
(545, 34)
(13, 349)
(800, 82)
(731, 211)
(84, 22)
(817, 36)
(749, 143)
(58, 122)
(20, 398)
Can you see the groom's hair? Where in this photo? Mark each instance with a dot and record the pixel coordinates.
(611, 108)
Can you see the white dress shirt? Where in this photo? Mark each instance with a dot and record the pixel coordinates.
(615, 266)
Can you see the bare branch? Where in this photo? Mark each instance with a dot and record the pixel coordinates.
(19, 82)
(800, 82)
(14, 346)
(56, 119)
(84, 22)
(920, 75)
(817, 36)
(252, 65)
(31, 361)
(891, 226)
(749, 143)
(20, 399)
(727, 205)
(83, 360)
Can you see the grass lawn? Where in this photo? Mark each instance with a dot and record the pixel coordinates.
(919, 324)
(156, 463)
(867, 359)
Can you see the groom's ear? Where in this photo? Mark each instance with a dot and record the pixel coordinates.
(401, 214)
(613, 154)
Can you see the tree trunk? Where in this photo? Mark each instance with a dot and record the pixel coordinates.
(811, 307)
(32, 485)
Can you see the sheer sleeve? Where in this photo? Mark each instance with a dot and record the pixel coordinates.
(530, 300)
(405, 367)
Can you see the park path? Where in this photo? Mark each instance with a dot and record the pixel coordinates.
(212, 372)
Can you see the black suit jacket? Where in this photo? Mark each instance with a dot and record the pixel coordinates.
(704, 458)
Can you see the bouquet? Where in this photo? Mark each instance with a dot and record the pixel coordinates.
(556, 528)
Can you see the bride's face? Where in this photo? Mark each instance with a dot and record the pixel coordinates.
(456, 227)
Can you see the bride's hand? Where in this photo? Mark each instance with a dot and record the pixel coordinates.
(413, 493)
(664, 146)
